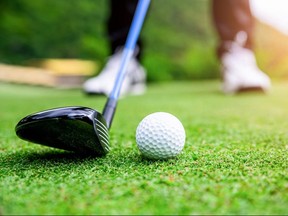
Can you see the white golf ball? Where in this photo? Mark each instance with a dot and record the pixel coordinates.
(160, 135)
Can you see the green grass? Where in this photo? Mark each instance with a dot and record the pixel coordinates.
(234, 160)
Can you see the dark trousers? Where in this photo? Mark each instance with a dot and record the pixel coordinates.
(119, 21)
(229, 17)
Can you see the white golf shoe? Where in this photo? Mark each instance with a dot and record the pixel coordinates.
(134, 82)
(240, 71)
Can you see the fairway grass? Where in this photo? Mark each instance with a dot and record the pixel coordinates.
(234, 161)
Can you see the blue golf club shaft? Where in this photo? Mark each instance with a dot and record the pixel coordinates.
(128, 52)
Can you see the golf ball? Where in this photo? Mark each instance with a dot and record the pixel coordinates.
(160, 135)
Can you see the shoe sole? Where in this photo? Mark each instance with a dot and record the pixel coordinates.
(251, 89)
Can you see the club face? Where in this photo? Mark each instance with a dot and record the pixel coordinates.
(79, 129)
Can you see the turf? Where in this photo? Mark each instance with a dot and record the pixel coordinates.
(234, 160)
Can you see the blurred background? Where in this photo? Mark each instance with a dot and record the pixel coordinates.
(179, 36)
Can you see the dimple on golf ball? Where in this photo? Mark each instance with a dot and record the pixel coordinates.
(160, 135)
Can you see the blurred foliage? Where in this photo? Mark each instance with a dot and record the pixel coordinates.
(179, 37)
(51, 29)
(180, 40)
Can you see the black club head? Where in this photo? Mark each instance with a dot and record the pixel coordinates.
(79, 129)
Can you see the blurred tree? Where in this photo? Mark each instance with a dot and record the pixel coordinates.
(180, 40)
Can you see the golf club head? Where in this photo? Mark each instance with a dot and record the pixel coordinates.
(78, 129)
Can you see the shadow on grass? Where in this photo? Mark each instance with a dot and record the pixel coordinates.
(137, 159)
(59, 156)
(46, 158)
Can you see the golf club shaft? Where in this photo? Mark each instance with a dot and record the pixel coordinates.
(128, 52)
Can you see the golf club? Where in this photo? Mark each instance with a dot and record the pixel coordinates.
(82, 129)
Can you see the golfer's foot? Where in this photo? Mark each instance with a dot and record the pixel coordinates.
(240, 71)
(134, 82)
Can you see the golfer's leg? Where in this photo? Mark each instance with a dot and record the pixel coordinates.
(234, 24)
(118, 25)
